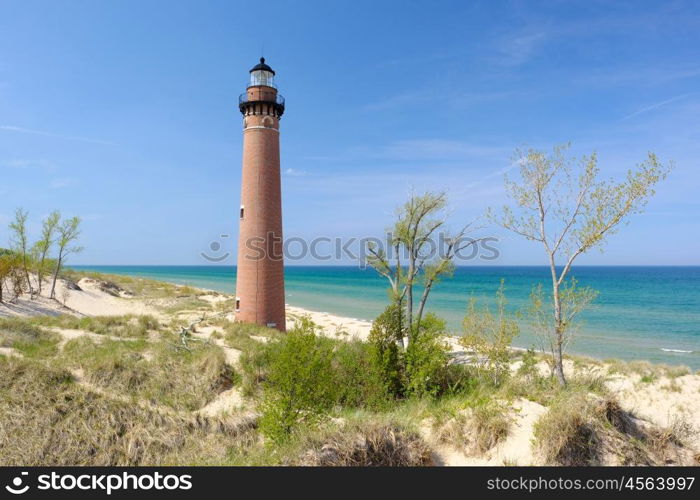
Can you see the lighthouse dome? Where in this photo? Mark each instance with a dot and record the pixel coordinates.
(261, 66)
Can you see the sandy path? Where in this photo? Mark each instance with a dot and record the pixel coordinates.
(226, 402)
(9, 351)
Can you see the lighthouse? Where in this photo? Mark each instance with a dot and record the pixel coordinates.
(260, 273)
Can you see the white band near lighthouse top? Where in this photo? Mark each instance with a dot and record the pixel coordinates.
(260, 127)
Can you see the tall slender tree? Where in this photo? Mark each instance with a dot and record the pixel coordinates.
(7, 265)
(19, 240)
(420, 221)
(42, 247)
(68, 233)
(561, 203)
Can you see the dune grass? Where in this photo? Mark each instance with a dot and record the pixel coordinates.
(117, 326)
(48, 419)
(476, 428)
(581, 430)
(153, 372)
(27, 339)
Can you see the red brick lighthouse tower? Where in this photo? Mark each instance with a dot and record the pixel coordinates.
(260, 274)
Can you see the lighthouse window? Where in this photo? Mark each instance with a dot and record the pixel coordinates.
(238, 304)
(242, 210)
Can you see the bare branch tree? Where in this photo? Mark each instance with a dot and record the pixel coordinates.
(561, 203)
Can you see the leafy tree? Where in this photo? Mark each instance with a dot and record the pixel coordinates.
(68, 233)
(19, 240)
(419, 221)
(562, 203)
(42, 247)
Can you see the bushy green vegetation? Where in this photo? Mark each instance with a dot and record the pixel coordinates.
(420, 369)
(304, 376)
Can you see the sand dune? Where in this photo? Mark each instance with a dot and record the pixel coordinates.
(659, 400)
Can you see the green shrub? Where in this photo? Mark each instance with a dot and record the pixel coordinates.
(299, 384)
(528, 368)
(358, 379)
(305, 375)
(427, 358)
(384, 338)
(254, 363)
(422, 368)
(490, 336)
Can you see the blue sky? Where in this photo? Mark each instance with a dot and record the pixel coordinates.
(125, 113)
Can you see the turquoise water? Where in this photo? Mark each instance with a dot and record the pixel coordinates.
(641, 312)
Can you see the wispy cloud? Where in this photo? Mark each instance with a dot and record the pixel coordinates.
(655, 106)
(294, 172)
(453, 97)
(635, 75)
(61, 183)
(29, 164)
(21, 130)
(519, 49)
